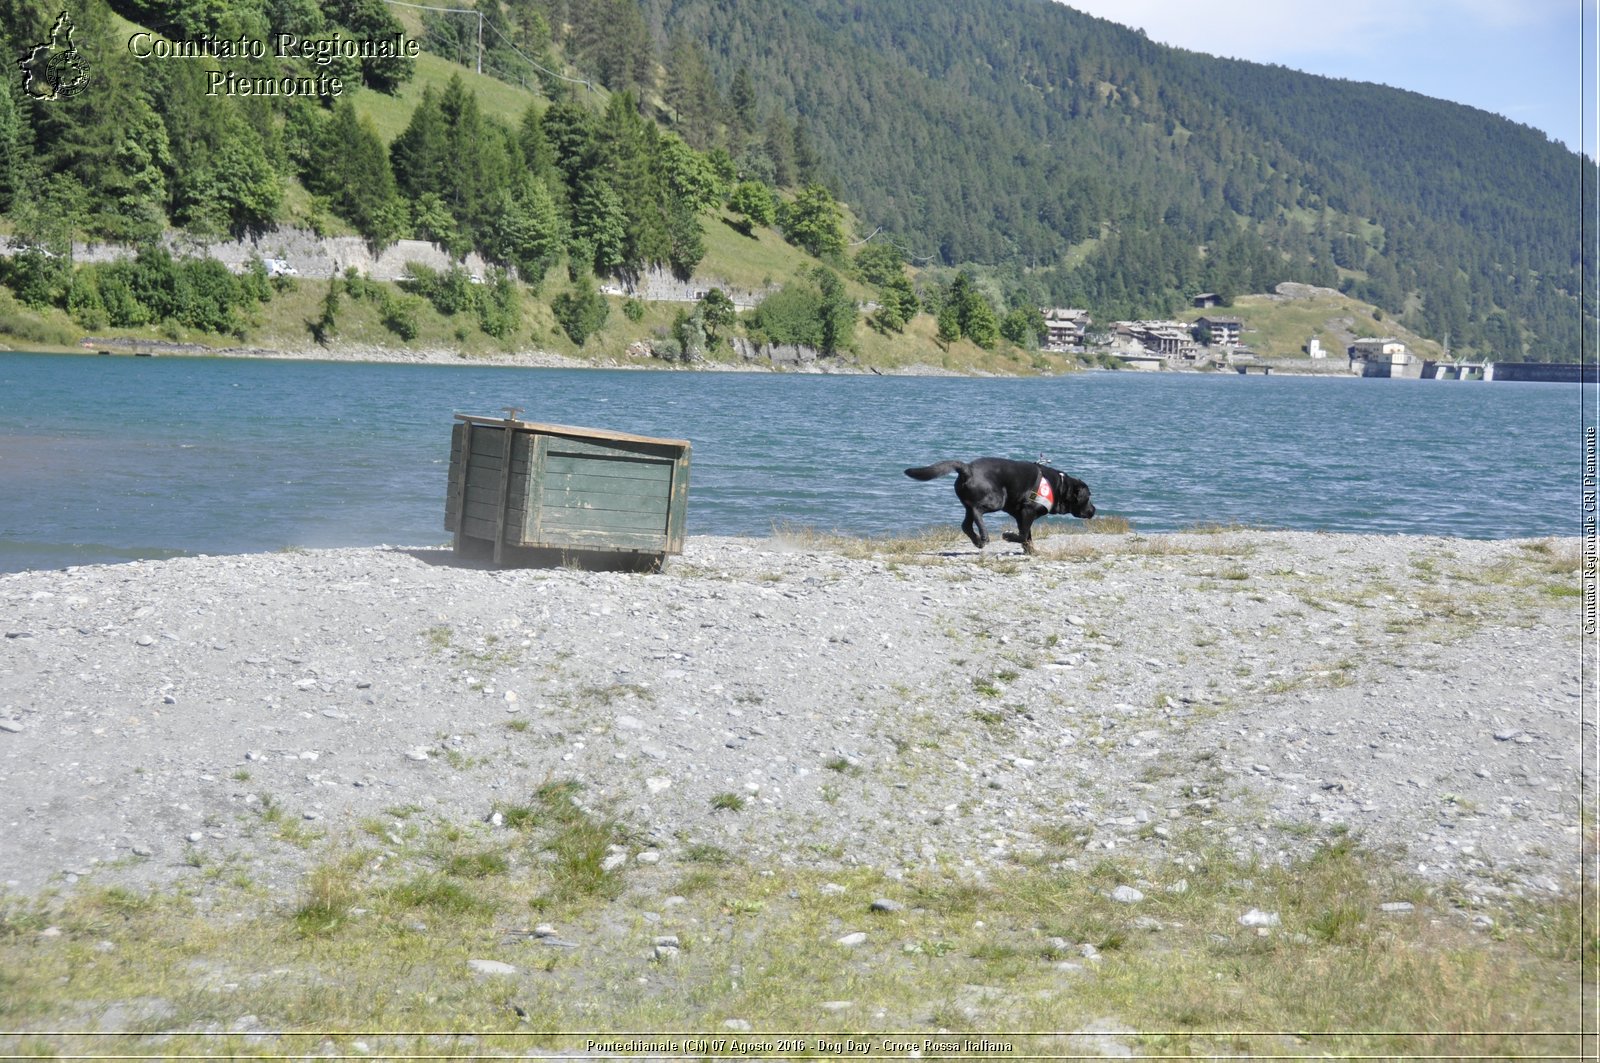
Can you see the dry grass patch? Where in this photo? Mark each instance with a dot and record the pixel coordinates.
(763, 944)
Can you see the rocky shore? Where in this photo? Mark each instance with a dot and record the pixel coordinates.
(524, 359)
(886, 704)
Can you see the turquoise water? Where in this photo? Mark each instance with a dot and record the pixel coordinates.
(105, 459)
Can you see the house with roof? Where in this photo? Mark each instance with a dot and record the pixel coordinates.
(1224, 331)
(1064, 328)
(1169, 339)
(1383, 357)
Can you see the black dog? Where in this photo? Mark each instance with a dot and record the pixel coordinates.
(1024, 489)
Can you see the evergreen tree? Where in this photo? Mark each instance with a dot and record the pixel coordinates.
(420, 155)
(353, 172)
(476, 161)
(837, 312)
(581, 312)
(529, 230)
(690, 92)
(370, 20)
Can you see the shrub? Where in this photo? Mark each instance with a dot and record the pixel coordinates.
(399, 314)
(582, 311)
(499, 310)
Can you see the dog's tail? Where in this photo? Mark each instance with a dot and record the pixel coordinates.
(933, 472)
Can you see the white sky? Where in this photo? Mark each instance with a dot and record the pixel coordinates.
(1517, 58)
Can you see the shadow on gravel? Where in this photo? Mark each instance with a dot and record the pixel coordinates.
(524, 557)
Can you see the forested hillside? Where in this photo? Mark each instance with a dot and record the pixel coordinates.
(1021, 153)
(1113, 172)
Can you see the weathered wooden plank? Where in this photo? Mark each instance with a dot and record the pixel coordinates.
(623, 468)
(582, 448)
(481, 511)
(603, 540)
(481, 464)
(460, 471)
(584, 496)
(678, 504)
(490, 493)
(478, 528)
(570, 431)
(565, 519)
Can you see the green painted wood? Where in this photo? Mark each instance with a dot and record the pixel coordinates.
(678, 504)
(461, 441)
(548, 490)
(601, 540)
(478, 528)
(584, 494)
(654, 470)
(581, 447)
(559, 518)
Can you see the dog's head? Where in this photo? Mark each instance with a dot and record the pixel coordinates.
(1072, 495)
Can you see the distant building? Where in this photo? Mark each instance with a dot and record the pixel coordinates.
(1206, 300)
(1386, 357)
(1224, 330)
(1382, 349)
(1315, 349)
(1064, 328)
(1170, 339)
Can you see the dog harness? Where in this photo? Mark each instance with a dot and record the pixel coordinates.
(1043, 495)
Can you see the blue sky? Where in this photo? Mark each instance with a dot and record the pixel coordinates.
(1518, 58)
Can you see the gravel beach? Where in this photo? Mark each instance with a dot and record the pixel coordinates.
(883, 704)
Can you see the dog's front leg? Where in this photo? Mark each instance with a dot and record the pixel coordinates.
(1024, 530)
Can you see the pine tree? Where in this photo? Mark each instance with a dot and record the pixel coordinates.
(420, 154)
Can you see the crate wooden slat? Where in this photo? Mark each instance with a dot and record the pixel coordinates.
(522, 490)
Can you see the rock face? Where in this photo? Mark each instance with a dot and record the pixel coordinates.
(781, 698)
(779, 354)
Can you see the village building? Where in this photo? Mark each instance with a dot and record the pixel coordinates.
(1065, 328)
(1385, 348)
(1225, 331)
(1206, 300)
(1169, 339)
(1385, 357)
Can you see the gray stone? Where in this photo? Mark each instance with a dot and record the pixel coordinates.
(491, 967)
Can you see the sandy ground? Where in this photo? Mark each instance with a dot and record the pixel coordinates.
(874, 705)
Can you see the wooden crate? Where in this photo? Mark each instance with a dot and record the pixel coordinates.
(528, 493)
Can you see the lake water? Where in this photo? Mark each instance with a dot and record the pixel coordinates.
(106, 459)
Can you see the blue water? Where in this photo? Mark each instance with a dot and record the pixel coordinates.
(105, 459)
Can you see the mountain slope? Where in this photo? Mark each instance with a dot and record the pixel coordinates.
(1009, 132)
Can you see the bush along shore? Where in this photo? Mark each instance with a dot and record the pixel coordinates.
(1177, 793)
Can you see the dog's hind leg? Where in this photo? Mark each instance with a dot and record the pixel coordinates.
(974, 528)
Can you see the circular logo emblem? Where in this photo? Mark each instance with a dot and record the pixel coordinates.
(67, 74)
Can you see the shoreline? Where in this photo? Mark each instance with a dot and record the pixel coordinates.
(540, 359)
(1419, 692)
(530, 359)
